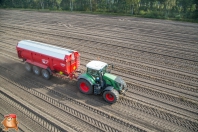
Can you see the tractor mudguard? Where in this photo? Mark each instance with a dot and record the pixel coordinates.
(109, 88)
(87, 77)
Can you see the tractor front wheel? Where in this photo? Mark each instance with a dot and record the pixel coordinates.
(84, 86)
(111, 96)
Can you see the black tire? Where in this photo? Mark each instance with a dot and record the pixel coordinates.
(36, 70)
(28, 67)
(45, 74)
(111, 96)
(84, 86)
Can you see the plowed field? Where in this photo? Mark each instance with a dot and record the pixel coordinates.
(158, 59)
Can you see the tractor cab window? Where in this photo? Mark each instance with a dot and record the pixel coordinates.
(104, 69)
(92, 72)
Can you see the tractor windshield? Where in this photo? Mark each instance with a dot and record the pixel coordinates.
(96, 73)
(104, 69)
(93, 72)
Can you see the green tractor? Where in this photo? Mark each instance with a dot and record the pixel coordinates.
(97, 80)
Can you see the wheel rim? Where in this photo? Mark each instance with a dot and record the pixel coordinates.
(84, 87)
(36, 71)
(109, 97)
(45, 74)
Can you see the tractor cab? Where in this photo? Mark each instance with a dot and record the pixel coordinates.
(98, 80)
(96, 69)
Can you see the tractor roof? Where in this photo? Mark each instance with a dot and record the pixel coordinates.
(96, 65)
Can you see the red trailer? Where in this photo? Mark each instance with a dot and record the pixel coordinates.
(47, 59)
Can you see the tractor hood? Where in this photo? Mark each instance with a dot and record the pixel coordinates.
(110, 76)
(120, 82)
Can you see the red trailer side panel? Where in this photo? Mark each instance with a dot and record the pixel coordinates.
(48, 56)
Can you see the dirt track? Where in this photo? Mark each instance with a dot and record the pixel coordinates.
(157, 58)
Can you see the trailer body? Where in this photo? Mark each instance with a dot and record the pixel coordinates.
(56, 59)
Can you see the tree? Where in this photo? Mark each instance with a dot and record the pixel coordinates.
(195, 13)
(1, 1)
(71, 5)
(133, 4)
(58, 3)
(41, 3)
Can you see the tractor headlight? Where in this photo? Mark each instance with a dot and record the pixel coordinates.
(97, 79)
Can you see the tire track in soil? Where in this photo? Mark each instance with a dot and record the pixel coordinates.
(126, 44)
(159, 70)
(167, 63)
(28, 111)
(74, 112)
(165, 116)
(91, 25)
(167, 97)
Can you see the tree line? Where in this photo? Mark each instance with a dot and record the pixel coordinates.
(179, 9)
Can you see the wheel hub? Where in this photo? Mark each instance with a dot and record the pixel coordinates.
(109, 97)
(84, 87)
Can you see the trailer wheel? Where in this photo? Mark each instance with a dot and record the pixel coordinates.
(84, 86)
(45, 73)
(36, 70)
(28, 67)
(111, 96)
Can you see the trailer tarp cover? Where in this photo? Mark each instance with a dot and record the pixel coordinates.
(45, 49)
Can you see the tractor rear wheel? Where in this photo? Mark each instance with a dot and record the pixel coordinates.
(85, 87)
(111, 96)
(45, 73)
(36, 70)
(28, 67)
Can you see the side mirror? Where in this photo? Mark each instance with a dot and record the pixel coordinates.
(112, 66)
(102, 73)
(109, 71)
